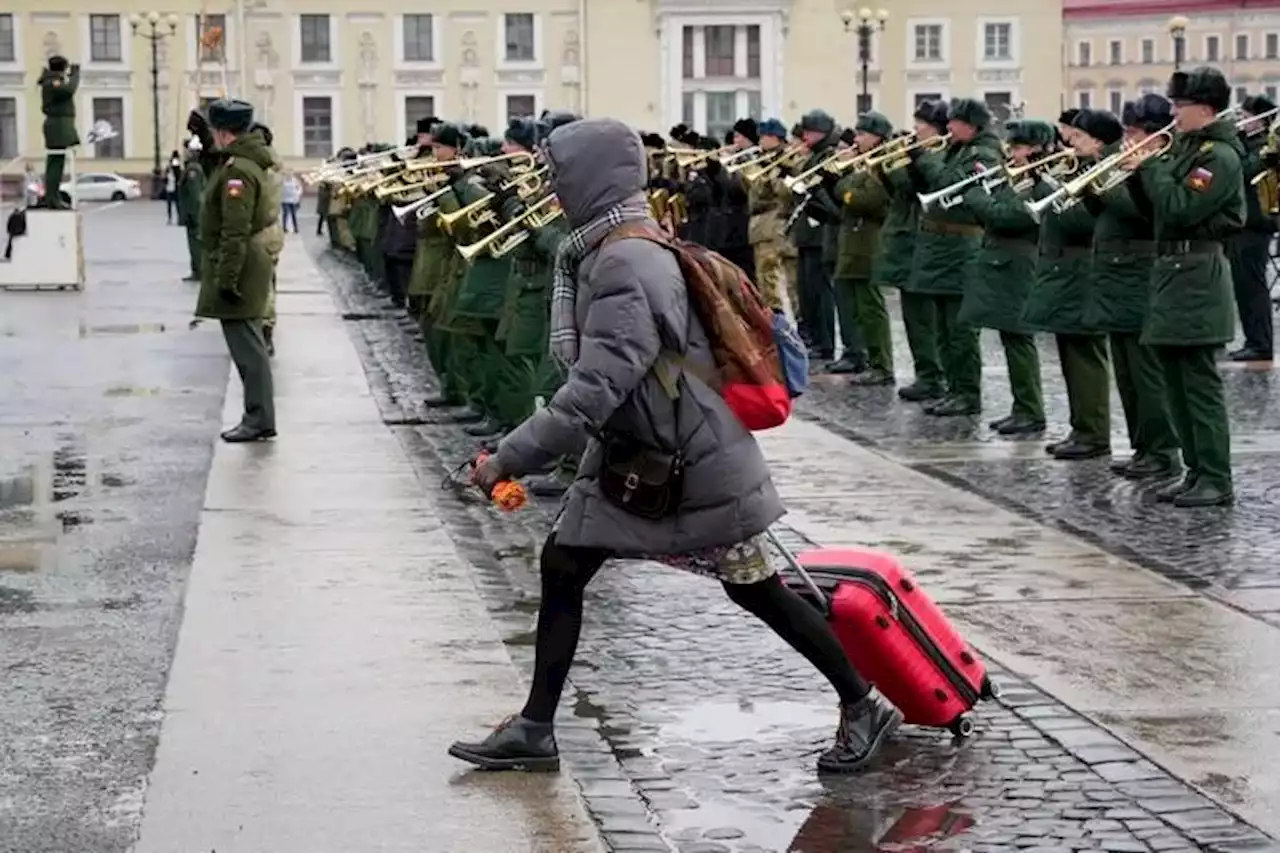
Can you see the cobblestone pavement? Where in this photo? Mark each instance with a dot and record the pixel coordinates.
(690, 728)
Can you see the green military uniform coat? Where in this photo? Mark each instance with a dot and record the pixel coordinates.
(236, 234)
(1064, 273)
(864, 202)
(58, 102)
(190, 194)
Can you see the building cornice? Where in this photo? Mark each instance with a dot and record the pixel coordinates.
(1079, 9)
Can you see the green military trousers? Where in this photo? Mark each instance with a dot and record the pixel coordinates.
(1199, 409)
(193, 248)
(476, 360)
(517, 386)
(1023, 360)
(1140, 384)
(861, 306)
(1084, 369)
(248, 350)
(961, 350)
(920, 317)
(53, 167)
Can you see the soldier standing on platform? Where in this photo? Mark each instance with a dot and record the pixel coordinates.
(1197, 196)
(58, 85)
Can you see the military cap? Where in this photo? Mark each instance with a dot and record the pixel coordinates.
(678, 132)
(1204, 85)
(523, 132)
(773, 127)
(1151, 112)
(932, 112)
(346, 153)
(1028, 132)
(875, 123)
(552, 119)
(267, 136)
(449, 135)
(652, 140)
(971, 112)
(747, 127)
(1099, 124)
(231, 115)
(1256, 105)
(424, 125)
(476, 131)
(819, 121)
(796, 131)
(1068, 116)
(707, 143)
(58, 63)
(487, 146)
(848, 136)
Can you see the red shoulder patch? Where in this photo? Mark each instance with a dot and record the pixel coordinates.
(1200, 179)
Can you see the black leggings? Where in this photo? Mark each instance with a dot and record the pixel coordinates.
(566, 571)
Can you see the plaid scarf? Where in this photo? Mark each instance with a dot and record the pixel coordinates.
(564, 290)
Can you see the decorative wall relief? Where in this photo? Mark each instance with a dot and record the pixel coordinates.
(570, 73)
(470, 74)
(368, 85)
(266, 61)
(51, 44)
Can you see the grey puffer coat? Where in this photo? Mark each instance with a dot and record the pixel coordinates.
(632, 305)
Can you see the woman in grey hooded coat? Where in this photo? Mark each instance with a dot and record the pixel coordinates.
(620, 315)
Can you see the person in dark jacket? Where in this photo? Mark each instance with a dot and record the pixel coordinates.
(1250, 250)
(818, 210)
(58, 85)
(398, 241)
(736, 245)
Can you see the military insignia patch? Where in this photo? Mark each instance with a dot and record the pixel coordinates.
(235, 187)
(979, 168)
(1206, 147)
(57, 83)
(1200, 179)
(848, 197)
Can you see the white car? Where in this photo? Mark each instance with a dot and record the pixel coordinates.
(102, 186)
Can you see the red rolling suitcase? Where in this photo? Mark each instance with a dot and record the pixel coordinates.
(894, 633)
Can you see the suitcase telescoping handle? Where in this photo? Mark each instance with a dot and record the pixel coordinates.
(870, 579)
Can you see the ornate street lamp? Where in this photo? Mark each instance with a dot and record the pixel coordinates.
(1178, 31)
(865, 24)
(155, 28)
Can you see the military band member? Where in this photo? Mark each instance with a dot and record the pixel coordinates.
(58, 85)
(864, 202)
(1004, 271)
(1197, 196)
(736, 242)
(893, 264)
(1124, 252)
(1250, 250)
(853, 349)
(398, 243)
(770, 204)
(236, 223)
(946, 243)
(1066, 127)
(817, 298)
(190, 191)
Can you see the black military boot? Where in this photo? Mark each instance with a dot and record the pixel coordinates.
(1204, 494)
(516, 744)
(1150, 467)
(918, 393)
(1169, 493)
(1074, 451)
(999, 422)
(485, 427)
(1250, 354)
(952, 407)
(849, 362)
(465, 415)
(1020, 425)
(864, 727)
(440, 401)
(242, 434)
(1054, 445)
(872, 378)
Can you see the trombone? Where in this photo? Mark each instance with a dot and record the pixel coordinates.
(478, 213)
(424, 207)
(503, 239)
(740, 159)
(897, 154)
(1059, 164)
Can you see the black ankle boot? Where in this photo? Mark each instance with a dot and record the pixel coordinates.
(517, 744)
(864, 727)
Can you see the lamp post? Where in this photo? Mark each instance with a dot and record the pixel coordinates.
(1178, 32)
(865, 24)
(155, 28)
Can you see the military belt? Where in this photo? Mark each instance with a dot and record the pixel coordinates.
(1125, 247)
(1066, 251)
(1010, 244)
(1189, 247)
(527, 267)
(955, 229)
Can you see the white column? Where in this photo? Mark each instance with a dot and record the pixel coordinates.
(772, 67)
(699, 51)
(700, 111)
(669, 75)
(741, 103)
(740, 52)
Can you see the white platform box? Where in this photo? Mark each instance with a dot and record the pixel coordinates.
(49, 256)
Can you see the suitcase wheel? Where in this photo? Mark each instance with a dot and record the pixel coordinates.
(990, 690)
(962, 726)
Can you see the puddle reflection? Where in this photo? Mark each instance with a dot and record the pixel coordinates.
(833, 829)
(87, 331)
(37, 506)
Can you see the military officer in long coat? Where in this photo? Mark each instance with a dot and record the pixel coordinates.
(238, 224)
(1002, 275)
(1197, 196)
(58, 85)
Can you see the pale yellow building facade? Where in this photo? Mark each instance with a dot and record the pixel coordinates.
(327, 73)
(1112, 58)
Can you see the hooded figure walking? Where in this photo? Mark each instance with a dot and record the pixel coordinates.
(58, 85)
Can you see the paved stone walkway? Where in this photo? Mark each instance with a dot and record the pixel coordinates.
(333, 643)
(701, 730)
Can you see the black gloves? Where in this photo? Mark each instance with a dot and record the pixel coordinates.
(712, 167)
(507, 203)
(454, 173)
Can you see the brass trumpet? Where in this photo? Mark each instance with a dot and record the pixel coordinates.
(1103, 176)
(1059, 164)
(767, 165)
(898, 157)
(507, 236)
(424, 208)
(477, 214)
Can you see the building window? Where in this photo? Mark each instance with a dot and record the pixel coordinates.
(864, 103)
(755, 105)
(1084, 100)
(8, 128)
(518, 27)
(317, 124)
(419, 38)
(1273, 45)
(1148, 51)
(8, 44)
(1115, 52)
(1211, 49)
(417, 107)
(521, 106)
(110, 110)
(686, 107)
(315, 40)
(921, 97)
(1270, 92)
(722, 112)
(1241, 93)
(211, 37)
(688, 53)
(719, 49)
(928, 39)
(1115, 100)
(104, 38)
(999, 104)
(997, 41)
(1242, 46)
(1084, 54)
(753, 51)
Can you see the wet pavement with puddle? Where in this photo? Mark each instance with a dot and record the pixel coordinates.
(690, 728)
